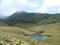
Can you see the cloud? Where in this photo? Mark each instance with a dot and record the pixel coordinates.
(59, 10)
(5, 3)
(7, 12)
(11, 11)
(48, 4)
(42, 9)
(23, 2)
(7, 7)
(10, 6)
(33, 5)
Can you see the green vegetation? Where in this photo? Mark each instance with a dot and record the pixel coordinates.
(15, 36)
(48, 30)
(5, 38)
(3, 24)
(14, 29)
(34, 18)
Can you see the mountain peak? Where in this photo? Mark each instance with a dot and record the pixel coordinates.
(21, 12)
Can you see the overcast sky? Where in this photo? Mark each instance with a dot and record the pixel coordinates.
(8, 7)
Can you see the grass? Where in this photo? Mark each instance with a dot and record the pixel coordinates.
(3, 24)
(25, 25)
(7, 35)
(15, 30)
(51, 30)
(19, 34)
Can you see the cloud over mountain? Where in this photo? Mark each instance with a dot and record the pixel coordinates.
(8, 7)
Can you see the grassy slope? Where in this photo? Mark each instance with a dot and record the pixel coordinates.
(15, 30)
(16, 34)
(52, 30)
(3, 24)
(16, 39)
(25, 25)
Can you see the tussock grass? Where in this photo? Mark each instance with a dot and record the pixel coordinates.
(52, 30)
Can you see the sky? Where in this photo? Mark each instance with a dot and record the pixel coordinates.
(8, 7)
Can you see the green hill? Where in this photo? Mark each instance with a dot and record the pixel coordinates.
(24, 18)
(28, 20)
(3, 24)
(35, 18)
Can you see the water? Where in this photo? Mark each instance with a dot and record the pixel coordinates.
(37, 37)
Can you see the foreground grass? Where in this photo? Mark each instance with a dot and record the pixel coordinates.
(19, 34)
(6, 38)
(51, 30)
(15, 36)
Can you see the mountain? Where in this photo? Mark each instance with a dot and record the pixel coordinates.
(35, 18)
(2, 17)
(2, 20)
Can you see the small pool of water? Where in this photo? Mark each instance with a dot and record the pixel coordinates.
(37, 37)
